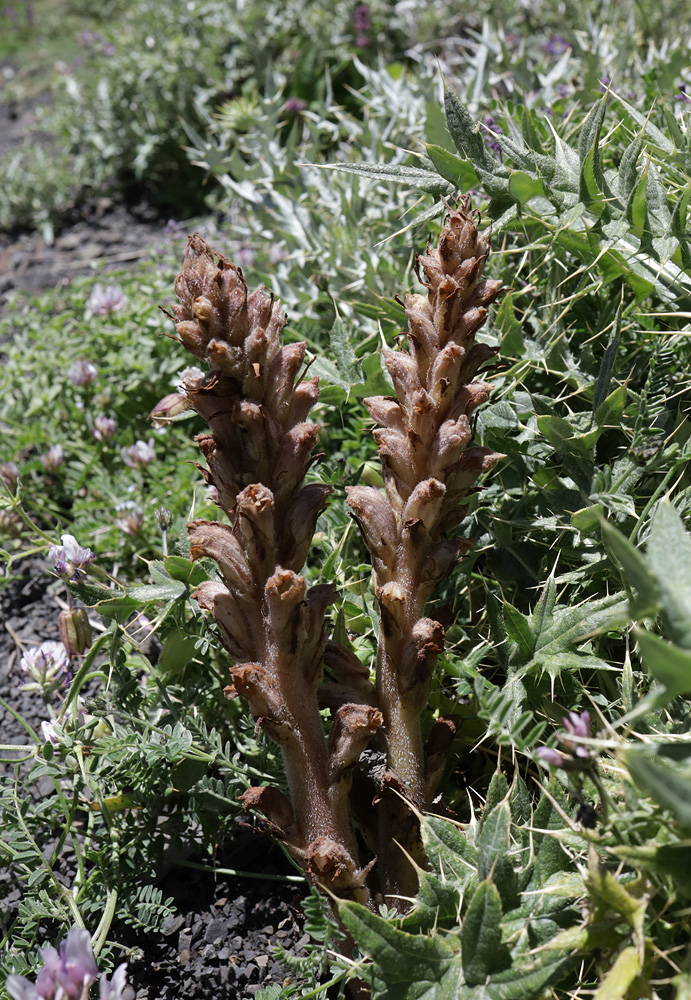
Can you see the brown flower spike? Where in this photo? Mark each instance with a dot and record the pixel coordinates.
(258, 451)
(430, 467)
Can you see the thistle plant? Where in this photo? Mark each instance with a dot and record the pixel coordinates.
(258, 452)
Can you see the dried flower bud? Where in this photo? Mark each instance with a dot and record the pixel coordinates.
(75, 630)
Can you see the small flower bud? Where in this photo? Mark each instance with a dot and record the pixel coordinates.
(75, 631)
(164, 518)
(170, 406)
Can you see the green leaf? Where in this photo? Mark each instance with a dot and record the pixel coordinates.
(604, 376)
(563, 438)
(168, 590)
(610, 411)
(669, 557)
(455, 169)
(415, 961)
(666, 663)
(498, 790)
(178, 568)
(481, 934)
(627, 169)
(643, 121)
(178, 649)
(425, 180)
(541, 617)
(464, 132)
(666, 783)
(635, 568)
(520, 629)
(450, 852)
(493, 861)
(349, 367)
(509, 326)
(523, 187)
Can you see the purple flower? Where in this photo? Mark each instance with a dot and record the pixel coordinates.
(9, 473)
(294, 105)
(45, 668)
(139, 455)
(549, 756)
(82, 372)
(577, 756)
(88, 38)
(172, 228)
(68, 974)
(577, 725)
(53, 458)
(563, 89)
(361, 18)
(103, 428)
(682, 95)
(494, 129)
(106, 299)
(108, 49)
(70, 559)
(556, 46)
(132, 520)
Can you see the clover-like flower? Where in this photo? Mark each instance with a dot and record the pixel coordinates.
(103, 428)
(132, 519)
(45, 667)
(53, 458)
(82, 372)
(139, 455)
(71, 560)
(68, 973)
(9, 473)
(106, 299)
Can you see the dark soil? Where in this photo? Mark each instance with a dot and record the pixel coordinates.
(219, 944)
(107, 233)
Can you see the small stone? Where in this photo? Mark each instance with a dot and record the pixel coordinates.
(262, 961)
(172, 924)
(184, 956)
(215, 931)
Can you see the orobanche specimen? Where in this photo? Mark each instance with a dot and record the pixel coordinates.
(373, 767)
